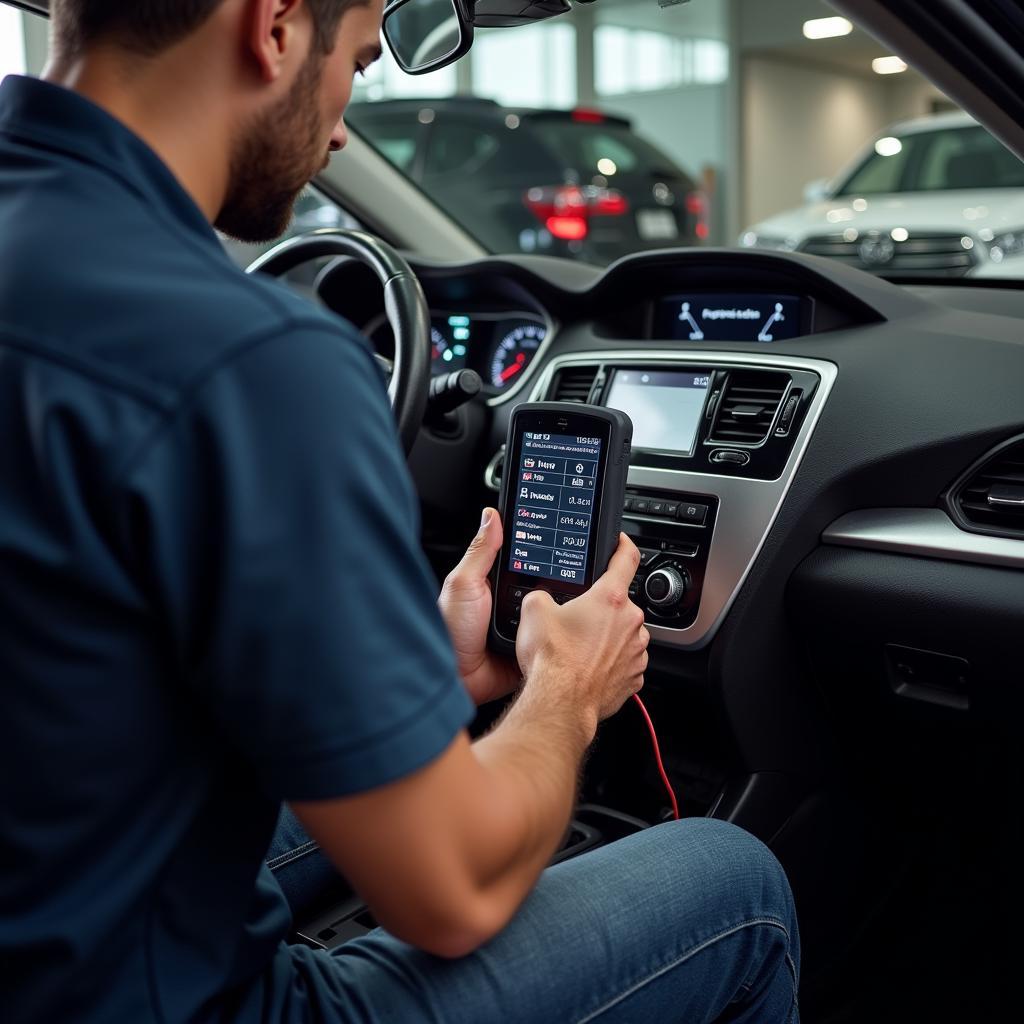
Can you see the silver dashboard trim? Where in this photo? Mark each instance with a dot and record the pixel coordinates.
(747, 508)
(924, 532)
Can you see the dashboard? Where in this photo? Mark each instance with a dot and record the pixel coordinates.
(809, 578)
(772, 394)
(500, 346)
(828, 500)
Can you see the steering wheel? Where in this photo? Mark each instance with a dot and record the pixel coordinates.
(404, 304)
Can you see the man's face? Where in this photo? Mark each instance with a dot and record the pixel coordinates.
(282, 148)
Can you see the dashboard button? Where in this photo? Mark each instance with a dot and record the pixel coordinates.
(656, 508)
(788, 414)
(672, 509)
(647, 555)
(692, 513)
(730, 457)
(685, 550)
(641, 505)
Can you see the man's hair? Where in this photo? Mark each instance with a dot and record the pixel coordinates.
(148, 27)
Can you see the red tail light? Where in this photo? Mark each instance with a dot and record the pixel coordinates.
(565, 210)
(582, 115)
(697, 207)
(610, 204)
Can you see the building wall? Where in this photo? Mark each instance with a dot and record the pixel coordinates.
(818, 116)
(822, 116)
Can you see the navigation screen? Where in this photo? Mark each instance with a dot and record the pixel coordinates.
(763, 318)
(665, 406)
(554, 504)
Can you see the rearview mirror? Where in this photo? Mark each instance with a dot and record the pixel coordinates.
(425, 35)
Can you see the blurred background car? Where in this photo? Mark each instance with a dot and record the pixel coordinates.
(557, 182)
(932, 197)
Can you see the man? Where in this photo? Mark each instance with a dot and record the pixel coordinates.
(212, 601)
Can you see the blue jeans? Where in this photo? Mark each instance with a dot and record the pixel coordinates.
(690, 921)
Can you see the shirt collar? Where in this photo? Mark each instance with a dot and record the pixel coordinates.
(59, 119)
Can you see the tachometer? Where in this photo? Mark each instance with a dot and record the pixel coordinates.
(515, 351)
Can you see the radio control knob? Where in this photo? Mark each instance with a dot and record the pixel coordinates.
(665, 586)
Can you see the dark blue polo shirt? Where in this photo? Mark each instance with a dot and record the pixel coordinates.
(212, 597)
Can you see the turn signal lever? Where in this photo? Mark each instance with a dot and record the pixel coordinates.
(449, 391)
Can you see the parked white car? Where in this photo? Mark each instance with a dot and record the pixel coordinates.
(934, 197)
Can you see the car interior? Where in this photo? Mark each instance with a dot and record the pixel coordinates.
(832, 543)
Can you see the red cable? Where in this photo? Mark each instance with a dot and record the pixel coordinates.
(657, 756)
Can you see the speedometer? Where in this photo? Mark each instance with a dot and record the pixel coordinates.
(514, 351)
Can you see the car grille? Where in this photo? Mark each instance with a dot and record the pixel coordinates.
(922, 254)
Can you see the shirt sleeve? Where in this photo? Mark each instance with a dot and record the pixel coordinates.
(277, 528)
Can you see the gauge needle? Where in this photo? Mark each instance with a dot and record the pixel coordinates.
(511, 371)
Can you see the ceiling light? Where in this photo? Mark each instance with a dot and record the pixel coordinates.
(899, 234)
(827, 28)
(888, 65)
(889, 146)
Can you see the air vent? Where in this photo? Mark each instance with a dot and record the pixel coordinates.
(748, 407)
(573, 384)
(992, 497)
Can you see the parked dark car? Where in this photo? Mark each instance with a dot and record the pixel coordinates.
(576, 183)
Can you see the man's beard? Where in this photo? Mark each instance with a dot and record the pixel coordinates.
(273, 161)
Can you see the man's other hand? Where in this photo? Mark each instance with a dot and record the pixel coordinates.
(592, 651)
(465, 603)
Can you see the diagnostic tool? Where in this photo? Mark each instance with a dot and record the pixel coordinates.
(563, 491)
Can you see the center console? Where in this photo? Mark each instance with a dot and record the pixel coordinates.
(717, 440)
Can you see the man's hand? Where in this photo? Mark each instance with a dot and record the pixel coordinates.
(465, 603)
(594, 648)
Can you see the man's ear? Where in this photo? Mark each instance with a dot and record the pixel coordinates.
(277, 33)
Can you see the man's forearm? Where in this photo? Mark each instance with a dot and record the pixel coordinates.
(532, 759)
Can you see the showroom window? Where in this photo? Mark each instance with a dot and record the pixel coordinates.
(530, 67)
(12, 43)
(639, 60)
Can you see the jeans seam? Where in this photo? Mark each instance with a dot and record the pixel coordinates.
(700, 947)
(286, 858)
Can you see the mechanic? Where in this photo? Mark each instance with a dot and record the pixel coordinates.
(213, 601)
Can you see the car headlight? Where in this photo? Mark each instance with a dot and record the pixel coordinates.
(752, 240)
(1003, 245)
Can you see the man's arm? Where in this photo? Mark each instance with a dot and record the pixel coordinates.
(444, 857)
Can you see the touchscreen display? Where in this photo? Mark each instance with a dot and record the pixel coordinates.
(553, 506)
(665, 406)
(763, 318)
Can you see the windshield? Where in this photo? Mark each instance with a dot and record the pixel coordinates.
(629, 125)
(936, 161)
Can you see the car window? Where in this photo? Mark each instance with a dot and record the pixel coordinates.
(628, 125)
(459, 147)
(969, 158)
(955, 158)
(883, 171)
(396, 140)
(595, 148)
